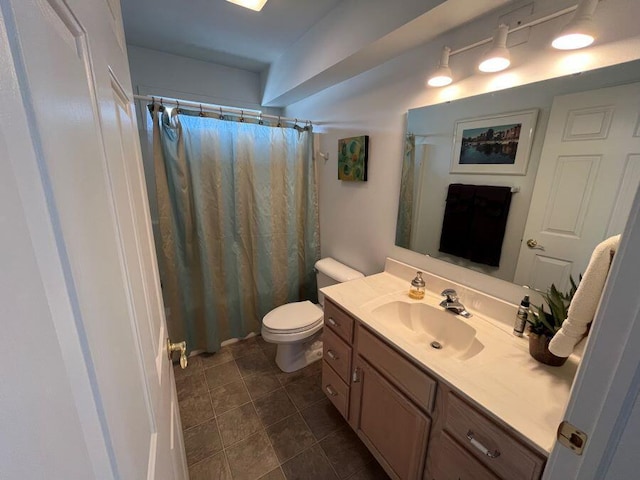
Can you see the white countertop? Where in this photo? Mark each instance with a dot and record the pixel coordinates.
(503, 378)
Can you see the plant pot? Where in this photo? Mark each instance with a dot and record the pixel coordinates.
(539, 349)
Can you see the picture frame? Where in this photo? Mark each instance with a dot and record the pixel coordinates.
(495, 144)
(353, 158)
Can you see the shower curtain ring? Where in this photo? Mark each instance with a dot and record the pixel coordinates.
(241, 116)
(201, 112)
(260, 122)
(178, 106)
(279, 123)
(221, 116)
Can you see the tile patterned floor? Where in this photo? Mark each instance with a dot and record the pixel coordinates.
(244, 419)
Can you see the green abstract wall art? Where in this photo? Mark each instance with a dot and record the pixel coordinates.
(353, 155)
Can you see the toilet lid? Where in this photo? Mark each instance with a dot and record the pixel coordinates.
(293, 317)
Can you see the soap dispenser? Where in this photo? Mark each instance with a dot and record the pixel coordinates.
(418, 287)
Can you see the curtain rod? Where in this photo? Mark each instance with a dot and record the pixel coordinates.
(210, 107)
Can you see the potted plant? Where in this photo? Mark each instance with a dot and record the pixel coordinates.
(544, 325)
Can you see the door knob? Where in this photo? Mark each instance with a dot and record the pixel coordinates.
(533, 244)
(178, 347)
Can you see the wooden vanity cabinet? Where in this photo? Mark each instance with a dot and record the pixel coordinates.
(337, 339)
(416, 427)
(390, 425)
(384, 396)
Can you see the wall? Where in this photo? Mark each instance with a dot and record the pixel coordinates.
(159, 73)
(357, 221)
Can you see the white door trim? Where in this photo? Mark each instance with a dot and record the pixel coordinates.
(608, 379)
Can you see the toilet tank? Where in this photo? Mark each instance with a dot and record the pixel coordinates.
(330, 272)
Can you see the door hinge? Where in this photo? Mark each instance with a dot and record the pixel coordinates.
(572, 438)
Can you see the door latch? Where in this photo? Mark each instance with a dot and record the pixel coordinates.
(178, 347)
(572, 438)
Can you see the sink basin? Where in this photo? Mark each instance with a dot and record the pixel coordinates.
(431, 327)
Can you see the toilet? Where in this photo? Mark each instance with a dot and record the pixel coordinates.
(296, 327)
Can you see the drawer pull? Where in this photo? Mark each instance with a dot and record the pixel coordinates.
(332, 322)
(482, 448)
(332, 355)
(330, 391)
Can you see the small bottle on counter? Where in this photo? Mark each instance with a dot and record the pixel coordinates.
(521, 317)
(418, 287)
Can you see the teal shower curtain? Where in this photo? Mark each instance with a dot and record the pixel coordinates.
(238, 222)
(405, 207)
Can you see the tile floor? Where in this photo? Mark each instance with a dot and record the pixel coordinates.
(244, 419)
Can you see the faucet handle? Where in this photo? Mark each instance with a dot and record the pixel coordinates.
(451, 294)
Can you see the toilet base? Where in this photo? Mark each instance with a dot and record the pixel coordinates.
(294, 356)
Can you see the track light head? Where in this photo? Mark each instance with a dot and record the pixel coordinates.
(442, 76)
(497, 57)
(580, 31)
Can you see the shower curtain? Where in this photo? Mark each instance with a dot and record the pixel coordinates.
(405, 208)
(238, 222)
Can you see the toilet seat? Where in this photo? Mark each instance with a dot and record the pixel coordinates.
(293, 318)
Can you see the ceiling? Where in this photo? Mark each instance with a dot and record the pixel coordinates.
(221, 32)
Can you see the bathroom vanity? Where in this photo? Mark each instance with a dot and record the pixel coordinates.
(476, 406)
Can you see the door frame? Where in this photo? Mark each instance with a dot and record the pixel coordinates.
(31, 178)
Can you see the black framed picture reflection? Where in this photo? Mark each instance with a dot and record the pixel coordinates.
(496, 144)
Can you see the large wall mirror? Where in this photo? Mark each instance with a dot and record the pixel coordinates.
(536, 218)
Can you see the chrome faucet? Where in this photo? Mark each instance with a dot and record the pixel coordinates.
(452, 303)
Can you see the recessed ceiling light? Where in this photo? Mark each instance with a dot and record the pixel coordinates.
(250, 4)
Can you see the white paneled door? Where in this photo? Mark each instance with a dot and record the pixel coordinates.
(588, 175)
(72, 153)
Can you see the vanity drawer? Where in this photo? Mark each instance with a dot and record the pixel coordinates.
(416, 384)
(335, 389)
(511, 459)
(452, 462)
(338, 320)
(336, 353)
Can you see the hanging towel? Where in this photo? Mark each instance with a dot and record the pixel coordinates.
(475, 219)
(458, 214)
(488, 224)
(586, 299)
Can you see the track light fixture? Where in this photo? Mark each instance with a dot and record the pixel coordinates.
(442, 76)
(580, 31)
(498, 57)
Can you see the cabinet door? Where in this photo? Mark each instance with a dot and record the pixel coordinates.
(393, 427)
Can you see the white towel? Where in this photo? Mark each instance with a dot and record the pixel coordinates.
(585, 302)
